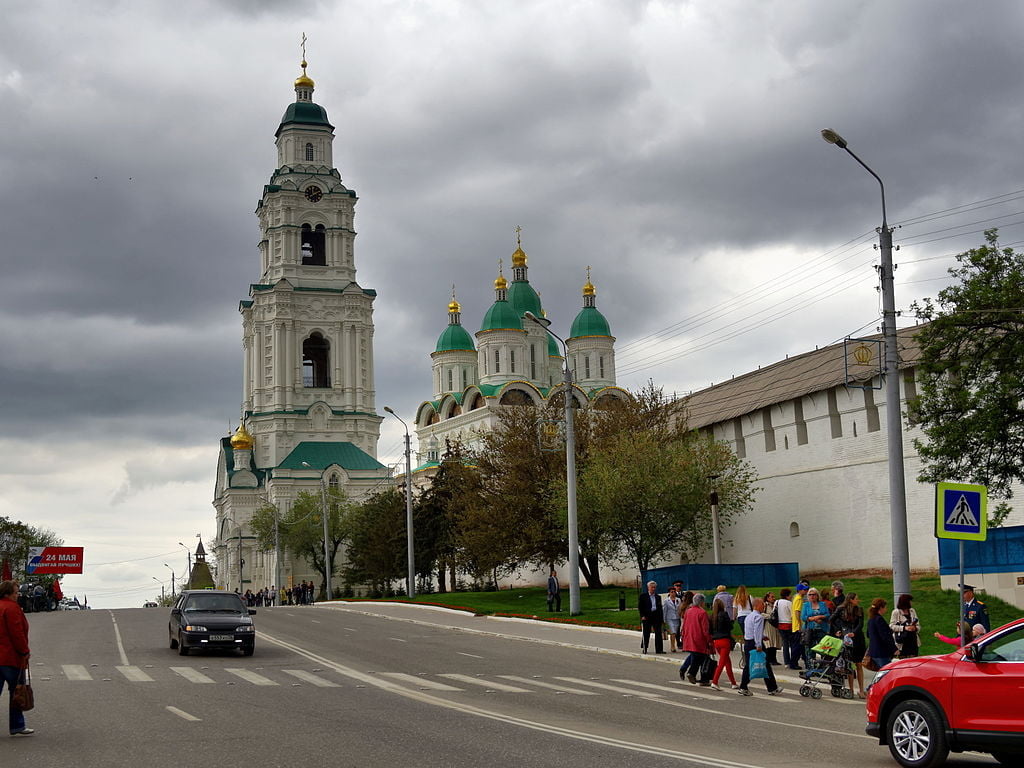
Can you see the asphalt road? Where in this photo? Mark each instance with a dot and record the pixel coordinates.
(384, 685)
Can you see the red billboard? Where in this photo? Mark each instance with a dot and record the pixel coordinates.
(44, 561)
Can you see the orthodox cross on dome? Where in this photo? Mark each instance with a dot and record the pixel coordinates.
(588, 273)
(303, 45)
(519, 242)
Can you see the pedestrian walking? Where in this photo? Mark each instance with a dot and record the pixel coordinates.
(651, 617)
(672, 619)
(847, 622)
(753, 640)
(697, 640)
(772, 636)
(554, 592)
(796, 647)
(905, 626)
(14, 652)
(881, 646)
(722, 641)
(742, 605)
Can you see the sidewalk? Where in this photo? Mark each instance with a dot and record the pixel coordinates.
(620, 642)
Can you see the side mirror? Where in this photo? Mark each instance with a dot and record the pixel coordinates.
(973, 653)
(175, 612)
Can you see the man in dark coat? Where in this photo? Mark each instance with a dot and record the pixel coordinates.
(974, 612)
(651, 617)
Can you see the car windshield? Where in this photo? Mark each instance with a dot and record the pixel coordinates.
(214, 604)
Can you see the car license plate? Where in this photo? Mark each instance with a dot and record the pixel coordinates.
(221, 638)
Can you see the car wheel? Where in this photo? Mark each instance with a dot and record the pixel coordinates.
(915, 735)
(182, 648)
(173, 643)
(248, 651)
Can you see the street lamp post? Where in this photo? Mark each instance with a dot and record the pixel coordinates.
(327, 557)
(410, 557)
(188, 553)
(172, 578)
(893, 414)
(163, 594)
(570, 472)
(716, 535)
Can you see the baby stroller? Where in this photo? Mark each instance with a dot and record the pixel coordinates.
(830, 668)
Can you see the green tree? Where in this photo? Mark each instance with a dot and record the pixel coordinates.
(377, 540)
(650, 496)
(302, 529)
(452, 489)
(15, 539)
(970, 402)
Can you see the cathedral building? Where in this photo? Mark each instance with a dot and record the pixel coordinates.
(514, 361)
(308, 415)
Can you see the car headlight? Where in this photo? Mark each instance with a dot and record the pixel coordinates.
(245, 628)
(194, 628)
(878, 676)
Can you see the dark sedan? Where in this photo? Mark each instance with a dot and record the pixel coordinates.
(211, 619)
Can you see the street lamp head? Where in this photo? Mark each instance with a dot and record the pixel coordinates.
(388, 409)
(542, 321)
(833, 138)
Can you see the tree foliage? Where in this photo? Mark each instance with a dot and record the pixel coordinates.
(646, 487)
(970, 402)
(15, 539)
(454, 487)
(377, 540)
(302, 530)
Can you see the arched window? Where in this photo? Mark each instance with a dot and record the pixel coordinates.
(600, 366)
(451, 385)
(533, 361)
(586, 366)
(316, 358)
(512, 360)
(309, 151)
(333, 481)
(314, 252)
(497, 361)
(464, 377)
(794, 530)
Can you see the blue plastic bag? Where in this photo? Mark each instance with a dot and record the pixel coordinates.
(758, 664)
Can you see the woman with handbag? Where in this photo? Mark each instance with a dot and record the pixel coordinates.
(814, 616)
(881, 646)
(14, 652)
(905, 628)
(848, 623)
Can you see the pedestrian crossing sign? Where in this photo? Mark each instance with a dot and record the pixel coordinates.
(961, 511)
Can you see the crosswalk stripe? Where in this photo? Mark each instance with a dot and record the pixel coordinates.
(134, 674)
(552, 686)
(309, 677)
(421, 682)
(485, 683)
(192, 675)
(687, 691)
(250, 677)
(76, 672)
(615, 688)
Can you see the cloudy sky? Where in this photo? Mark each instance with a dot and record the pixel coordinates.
(672, 146)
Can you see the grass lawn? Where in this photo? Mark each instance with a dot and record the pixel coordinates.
(937, 608)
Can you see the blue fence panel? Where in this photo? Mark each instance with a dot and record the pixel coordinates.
(1002, 552)
(704, 577)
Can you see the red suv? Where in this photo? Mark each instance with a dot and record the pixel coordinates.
(971, 699)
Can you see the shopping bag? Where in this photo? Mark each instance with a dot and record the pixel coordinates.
(758, 664)
(23, 698)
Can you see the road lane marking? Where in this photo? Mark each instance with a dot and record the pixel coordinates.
(471, 655)
(309, 677)
(420, 682)
(120, 645)
(705, 761)
(485, 683)
(183, 715)
(192, 675)
(350, 629)
(398, 640)
(76, 672)
(614, 688)
(552, 686)
(686, 691)
(250, 677)
(134, 674)
(316, 621)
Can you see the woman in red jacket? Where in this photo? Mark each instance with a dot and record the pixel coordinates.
(697, 640)
(13, 650)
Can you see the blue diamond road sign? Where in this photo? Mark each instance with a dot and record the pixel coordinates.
(961, 511)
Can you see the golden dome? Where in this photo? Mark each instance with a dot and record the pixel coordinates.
(519, 258)
(242, 440)
(454, 306)
(304, 80)
(588, 289)
(501, 283)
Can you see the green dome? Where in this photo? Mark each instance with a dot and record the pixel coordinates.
(501, 316)
(589, 322)
(304, 113)
(523, 298)
(553, 350)
(454, 337)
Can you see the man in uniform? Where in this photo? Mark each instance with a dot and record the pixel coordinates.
(974, 612)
